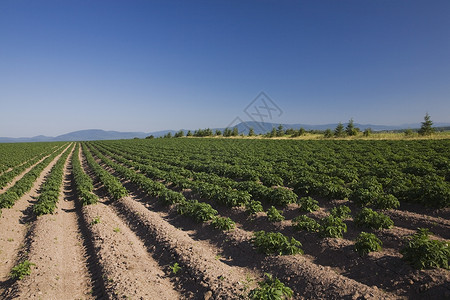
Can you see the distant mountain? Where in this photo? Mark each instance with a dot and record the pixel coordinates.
(243, 127)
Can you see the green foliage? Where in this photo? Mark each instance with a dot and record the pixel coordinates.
(282, 196)
(367, 242)
(350, 130)
(328, 133)
(308, 204)
(341, 211)
(21, 270)
(426, 128)
(332, 227)
(371, 219)
(339, 130)
(96, 220)
(276, 243)
(423, 253)
(367, 132)
(254, 206)
(199, 211)
(223, 223)
(271, 288)
(175, 268)
(306, 223)
(274, 215)
(50, 189)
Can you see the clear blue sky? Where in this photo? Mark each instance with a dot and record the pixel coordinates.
(153, 65)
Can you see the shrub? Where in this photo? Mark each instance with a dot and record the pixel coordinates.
(367, 242)
(371, 219)
(422, 252)
(341, 211)
(274, 215)
(308, 204)
(306, 223)
(271, 288)
(223, 223)
(276, 243)
(332, 227)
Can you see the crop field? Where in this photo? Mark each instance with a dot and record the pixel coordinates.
(210, 218)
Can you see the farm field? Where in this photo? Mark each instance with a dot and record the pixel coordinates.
(199, 218)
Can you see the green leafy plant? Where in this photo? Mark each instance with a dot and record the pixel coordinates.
(253, 207)
(371, 219)
(175, 268)
(276, 243)
(274, 215)
(367, 242)
(341, 211)
(306, 223)
(332, 227)
(96, 220)
(308, 204)
(271, 288)
(423, 253)
(21, 270)
(223, 223)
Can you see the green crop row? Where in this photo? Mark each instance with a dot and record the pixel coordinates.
(83, 183)
(24, 184)
(50, 189)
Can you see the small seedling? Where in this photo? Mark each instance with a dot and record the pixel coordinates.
(116, 229)
(96, 220)
(175, 268)
(271, 288)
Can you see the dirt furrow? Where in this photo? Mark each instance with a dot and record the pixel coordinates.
(201, 262)
(238, 241)
(128, 270)
(15, 223)
(56, 249)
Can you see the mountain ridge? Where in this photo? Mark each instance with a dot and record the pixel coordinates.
(243, 127)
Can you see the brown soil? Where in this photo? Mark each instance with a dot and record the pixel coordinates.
(125, 249)
(56, 249)
(16, 224)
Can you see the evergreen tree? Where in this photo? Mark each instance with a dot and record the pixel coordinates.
(280, 131)
(189, 133)
(218, 132)
(235, 132)
(328, 133)
(251, 132)
(339, 130)
(179, 134)
(350, 129)
(426, 128)
(227, 132)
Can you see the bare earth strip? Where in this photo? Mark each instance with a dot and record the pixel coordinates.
(60, 270)
(128, 270)
(14, 224)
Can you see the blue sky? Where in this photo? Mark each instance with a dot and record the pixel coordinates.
(154, 65)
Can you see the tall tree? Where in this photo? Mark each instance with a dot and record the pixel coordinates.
(350, 129)
(426, 128)
(339, 130)
(251, 132)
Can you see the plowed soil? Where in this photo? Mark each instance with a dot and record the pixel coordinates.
(129, 249)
